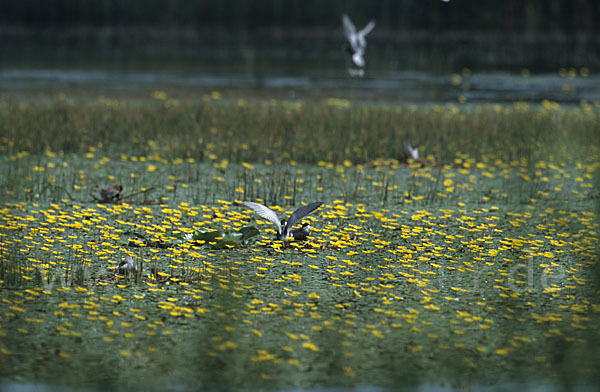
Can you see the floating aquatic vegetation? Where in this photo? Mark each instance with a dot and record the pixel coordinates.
(481, 268)
(222, 239)
(213, 238)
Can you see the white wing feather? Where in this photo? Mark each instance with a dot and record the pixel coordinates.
(366, 30)
(349, 29)
(264, 212)
(410, 151)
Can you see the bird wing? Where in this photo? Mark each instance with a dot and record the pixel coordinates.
(366, 30)
(349, 29)
(264, 212)
(299, 214)
(410, 151)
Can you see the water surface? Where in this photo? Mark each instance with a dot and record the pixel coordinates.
(401, 67)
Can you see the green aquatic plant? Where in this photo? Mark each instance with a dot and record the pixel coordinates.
(476, 264)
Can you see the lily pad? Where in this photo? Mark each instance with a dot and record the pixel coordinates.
(219, 239)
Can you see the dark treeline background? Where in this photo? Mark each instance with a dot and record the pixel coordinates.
(532, 16)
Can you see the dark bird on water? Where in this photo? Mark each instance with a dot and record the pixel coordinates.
(301, 233)
(111, 194)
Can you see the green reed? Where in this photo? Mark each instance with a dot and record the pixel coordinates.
(283, 131)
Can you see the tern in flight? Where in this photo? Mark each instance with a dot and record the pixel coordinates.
(356, 40)
(284, 228)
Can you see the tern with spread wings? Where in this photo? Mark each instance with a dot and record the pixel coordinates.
(284, 228)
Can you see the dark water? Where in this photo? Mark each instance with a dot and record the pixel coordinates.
(418, 87)
(411, 68)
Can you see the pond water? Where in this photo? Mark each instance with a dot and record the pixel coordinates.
(472, 275)
(407, 68)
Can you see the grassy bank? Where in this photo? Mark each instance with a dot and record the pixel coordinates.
(333, 131)
(286, 151)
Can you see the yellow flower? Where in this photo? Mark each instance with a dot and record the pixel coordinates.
(159, 95)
